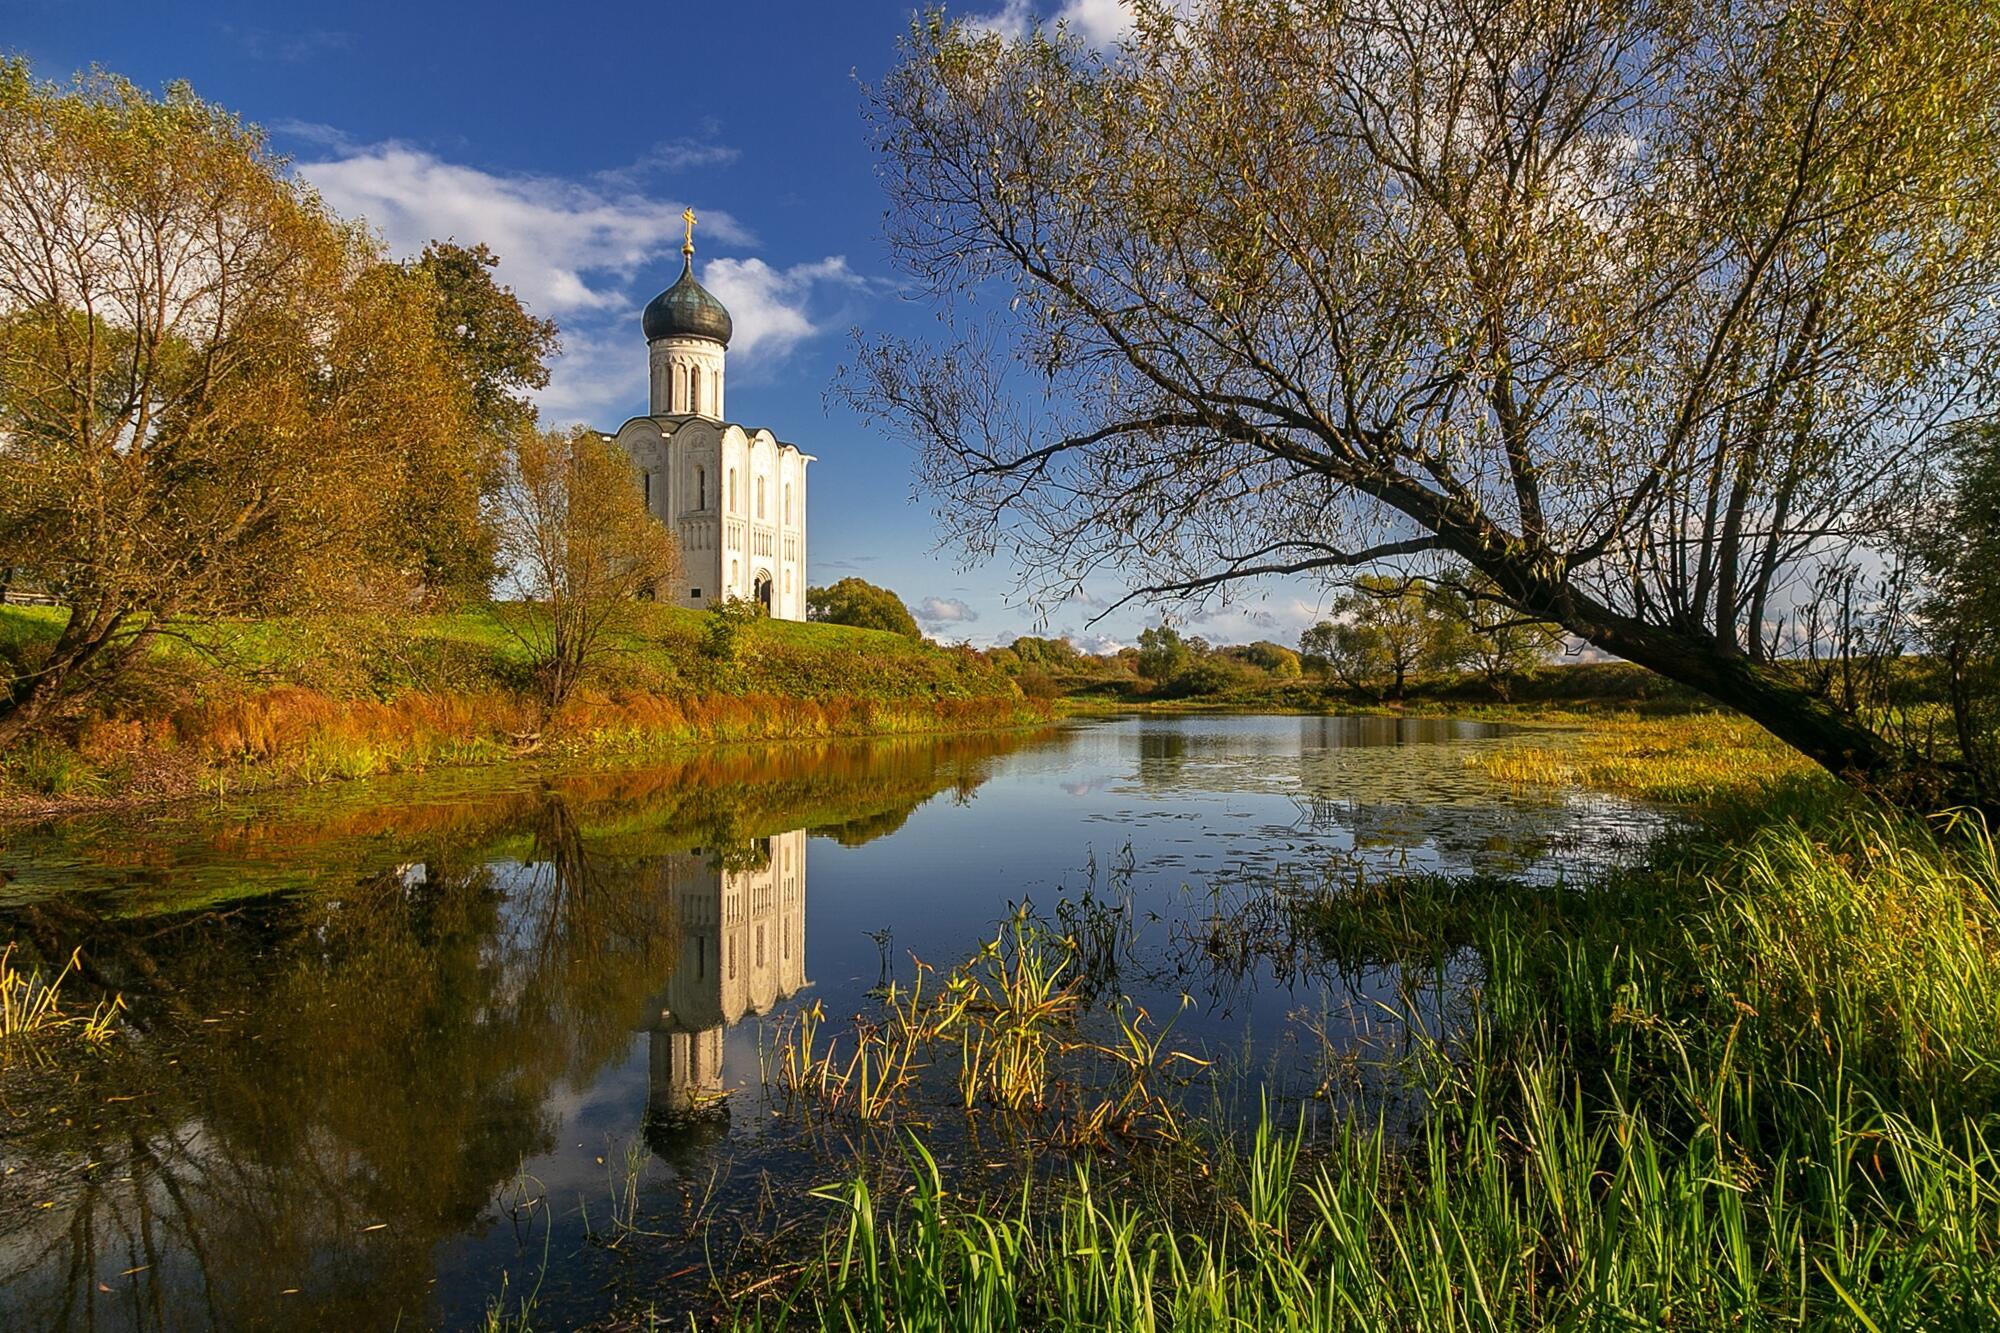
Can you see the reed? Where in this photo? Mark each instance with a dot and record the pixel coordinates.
(1008, 1022)
(32, 1012)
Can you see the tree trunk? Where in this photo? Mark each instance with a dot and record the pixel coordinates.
(1830, 737)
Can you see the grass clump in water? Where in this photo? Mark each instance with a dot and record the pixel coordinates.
(32, 1013)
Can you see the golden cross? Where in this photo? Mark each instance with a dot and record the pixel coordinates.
(687, 216)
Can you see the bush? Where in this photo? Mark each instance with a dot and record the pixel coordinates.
(1205, 679)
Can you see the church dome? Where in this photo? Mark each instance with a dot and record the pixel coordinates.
(686, 310)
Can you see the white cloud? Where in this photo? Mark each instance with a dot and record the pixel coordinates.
(770, 305)
(564, 246)
(573, 250)
(287, 47)
(1097, 645)
(945, 611)
(1099, 22)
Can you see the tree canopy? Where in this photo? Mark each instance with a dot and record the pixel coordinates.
(574, 529)
(1648, 313)
(862, 604)
(215, 397)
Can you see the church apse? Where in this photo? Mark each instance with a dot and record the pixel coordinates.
(741, 916)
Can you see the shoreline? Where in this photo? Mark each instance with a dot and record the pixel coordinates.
(564, 754)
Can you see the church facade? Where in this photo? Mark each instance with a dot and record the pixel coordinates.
(734, 496)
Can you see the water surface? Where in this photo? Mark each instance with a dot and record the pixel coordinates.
(393, 1041)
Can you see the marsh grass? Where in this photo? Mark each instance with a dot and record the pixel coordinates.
(33, 1016)
(1008, 1023)
(1755, 1083)
(1689, 758)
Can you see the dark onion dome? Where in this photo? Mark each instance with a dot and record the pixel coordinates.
(686, 310)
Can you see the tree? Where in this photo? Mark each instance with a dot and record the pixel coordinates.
(1636, 309)
(501, 349)
(574, 530)
(1162, 654)
(407, 389)
(1498, 643)
(1387, 630)
(210, 396)
(1958, 553)
(863, 605)
(1045, 654)
(1317, 646)
(1274, 658)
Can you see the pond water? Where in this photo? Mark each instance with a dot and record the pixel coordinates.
(389, 1043)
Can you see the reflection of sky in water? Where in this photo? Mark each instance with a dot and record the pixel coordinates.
(1172, 817)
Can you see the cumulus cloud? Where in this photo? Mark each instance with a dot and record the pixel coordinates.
(573, 250)
(945, 611)
(1099, 22)
(564, 245)
(772, 306)
(1097, 645)
(1280, 620)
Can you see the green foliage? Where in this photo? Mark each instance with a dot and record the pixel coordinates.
(1045, 654)
(722, 637)
(1958, 550)
(1276, 659)
(1491, 637)
(863, 605)
(501, 350)
(1386, 630)
(1162, 653)
(1205, 678)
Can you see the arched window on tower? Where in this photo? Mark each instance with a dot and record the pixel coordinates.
(788, 502)
(694, 389)
(732, 490)
(700, 487)
(760, 497)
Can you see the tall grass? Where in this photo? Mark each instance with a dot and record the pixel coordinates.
(1750, 1086)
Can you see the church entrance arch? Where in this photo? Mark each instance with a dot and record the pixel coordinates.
(762, 591)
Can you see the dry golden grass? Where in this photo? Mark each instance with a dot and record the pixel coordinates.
(1688, 758)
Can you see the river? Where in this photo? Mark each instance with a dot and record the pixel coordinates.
(390, 1045)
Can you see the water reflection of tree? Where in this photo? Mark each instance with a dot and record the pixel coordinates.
(382, 1059)
(320, 1087)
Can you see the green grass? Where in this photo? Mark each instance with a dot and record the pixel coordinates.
(258, 703)
(1753, 1084)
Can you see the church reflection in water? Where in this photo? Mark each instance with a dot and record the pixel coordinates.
(742, 922)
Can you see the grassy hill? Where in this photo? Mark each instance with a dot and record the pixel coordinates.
(256, 703)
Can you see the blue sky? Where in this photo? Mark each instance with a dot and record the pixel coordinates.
(569, 138)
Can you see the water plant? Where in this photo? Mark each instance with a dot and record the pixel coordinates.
(32, 1009)
(1004, 1021)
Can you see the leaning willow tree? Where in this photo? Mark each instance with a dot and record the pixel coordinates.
(1648, 310)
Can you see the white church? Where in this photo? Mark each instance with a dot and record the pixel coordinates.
(734, 497)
